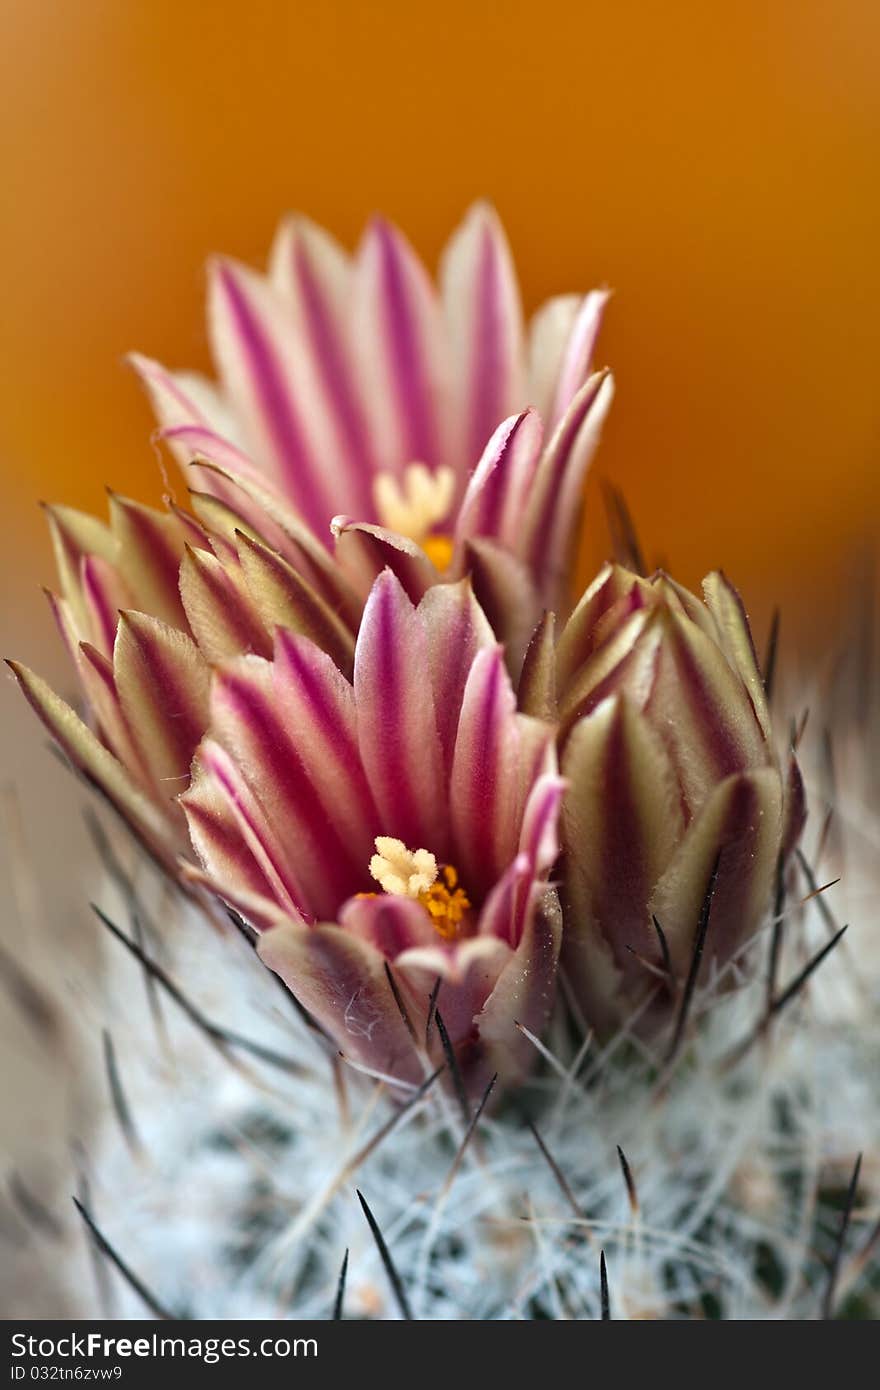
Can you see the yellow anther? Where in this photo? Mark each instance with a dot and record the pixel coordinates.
(414, 874)
(439, 550)
(414, 501)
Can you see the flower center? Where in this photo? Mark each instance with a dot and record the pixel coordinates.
(415, 874)
(412, 504)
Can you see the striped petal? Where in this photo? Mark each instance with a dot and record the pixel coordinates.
(622, 821)
(726, 607)
(282, 597)
(96, 674)
(577, 359)
(742, 817)
(391, 924)
(162, 682)
(242, 850)
(708, 721)
(468, 972)
(484, 793)
(75, 536)
(496, 497)
(365, 551)
(458, 629)
(317, 706)
(536, 692)
(149, 555)
(507, 595)
(265, 516)
(104, 592)
(484, 316)
(267, 374)
(249, 717)
(397, 724)
(554, 506)
(219, 609)
(523, 993)
(314, 277)
(550, 331)
(398, 335)
(96, 763)
(343, 983)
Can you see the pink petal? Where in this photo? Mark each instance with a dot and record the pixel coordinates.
(149, 555)
(523, 993)
(398, 334)
(391, 924)
(495, 501)
(577, 360)
(317, 706)
(267, 374)
(250, 719)
(235, 839)
(397, 725)
(314, 277)
(554, 504)
(104, 593)
(162, 682)
(219, 610)
(342, 981)
(485, 786)
(484, 315)
(282, 597)
(457, 629)
(365, 551)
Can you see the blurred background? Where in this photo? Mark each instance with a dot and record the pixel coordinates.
(716, 165)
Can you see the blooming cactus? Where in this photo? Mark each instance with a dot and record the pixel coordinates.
(405, 823)
(667, 747)
(352, 393)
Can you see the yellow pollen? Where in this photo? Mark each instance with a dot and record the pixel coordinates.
(439, 551)
(414, 874)
(414, 501)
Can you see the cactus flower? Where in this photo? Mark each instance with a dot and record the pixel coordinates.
(668, 750)
(360, 398)
(390, 833)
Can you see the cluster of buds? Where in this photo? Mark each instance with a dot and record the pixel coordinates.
(327, 693)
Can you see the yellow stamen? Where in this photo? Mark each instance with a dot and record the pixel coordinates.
(439, 551)
(414, 501)
(414, 874)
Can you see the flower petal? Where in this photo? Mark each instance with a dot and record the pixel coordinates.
(726, 607)
(397, 725)
(536, 692)
(267, 373)
(458, 629)
(577, 359)
(743, 818)
(549, 527)
(366, 550)
(507, 595)
(485, 789)
(622, 821)
(149, 555)
(484, 315)
(709, 722)
(496, 497)
(219, 610)
(523, 993)
(398, 335)
(342, 982)
(95, 762)
(314, 277)
(284, 598)
(238, 843)
(162, 681)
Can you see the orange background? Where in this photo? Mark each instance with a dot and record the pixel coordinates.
(716, 164)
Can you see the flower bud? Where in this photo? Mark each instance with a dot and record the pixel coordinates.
(668, 751)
